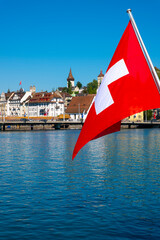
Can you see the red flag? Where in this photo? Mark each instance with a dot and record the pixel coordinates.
(127, 88)
(20, 83)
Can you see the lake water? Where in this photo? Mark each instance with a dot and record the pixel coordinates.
(110, 191)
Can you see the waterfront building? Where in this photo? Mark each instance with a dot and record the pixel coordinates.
(79, 107)
(66, 98)
(14, 104)
(24, 103)
(2, 105)
(45, 104)
(4, 99)
(138, 117)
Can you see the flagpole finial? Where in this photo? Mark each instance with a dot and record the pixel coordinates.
(129, 10)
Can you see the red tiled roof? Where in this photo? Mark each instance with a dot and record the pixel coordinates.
(80, 104)
(70, 76)
(64, 94)
(101, 74)
(7, 95)
(43, 97)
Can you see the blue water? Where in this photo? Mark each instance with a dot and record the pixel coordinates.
(110, 191)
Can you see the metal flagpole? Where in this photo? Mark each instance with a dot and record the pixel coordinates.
(152, 69)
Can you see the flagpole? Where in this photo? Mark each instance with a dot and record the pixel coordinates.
(153, 71)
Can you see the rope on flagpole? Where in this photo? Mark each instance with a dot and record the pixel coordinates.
(152, 69)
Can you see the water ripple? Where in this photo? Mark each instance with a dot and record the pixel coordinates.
(110, 191)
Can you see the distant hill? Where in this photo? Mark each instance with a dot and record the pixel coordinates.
(158, 71)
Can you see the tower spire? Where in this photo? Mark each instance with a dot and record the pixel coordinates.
(100, 77)
(70, 78)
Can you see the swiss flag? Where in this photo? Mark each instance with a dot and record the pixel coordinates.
(126, 89)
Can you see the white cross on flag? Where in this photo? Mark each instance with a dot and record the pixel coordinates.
(126, 89)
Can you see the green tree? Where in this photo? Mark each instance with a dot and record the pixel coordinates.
(92, 87)
(158, 72)
(148, 115)
(65, 89)
(79, 85)
(69, 89)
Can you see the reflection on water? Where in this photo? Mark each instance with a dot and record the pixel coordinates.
(110, 191)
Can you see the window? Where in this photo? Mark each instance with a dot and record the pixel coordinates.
(42, 112)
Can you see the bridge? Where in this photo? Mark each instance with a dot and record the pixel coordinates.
(33, 125)
(148, 124)
(44, 125)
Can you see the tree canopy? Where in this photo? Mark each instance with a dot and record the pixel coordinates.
(92, 87)
(69, 89)
(64, 89)
(79, 85)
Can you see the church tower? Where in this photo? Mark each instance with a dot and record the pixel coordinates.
(70, 79)
(100, 77)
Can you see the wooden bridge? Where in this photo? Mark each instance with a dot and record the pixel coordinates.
(44, 125)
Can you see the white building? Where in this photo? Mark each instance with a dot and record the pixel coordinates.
(65, 96)
(79, 107)
(14, 104)
(45, 104)
(4, 99)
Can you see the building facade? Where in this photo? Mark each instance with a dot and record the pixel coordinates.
(66, 98)
(14, 104)
(45, 104)
(138, 117)
(4, 100)
(79, 107)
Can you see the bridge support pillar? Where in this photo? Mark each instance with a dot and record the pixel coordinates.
(57, 126)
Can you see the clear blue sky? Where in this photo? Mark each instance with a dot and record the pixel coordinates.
(41, 40)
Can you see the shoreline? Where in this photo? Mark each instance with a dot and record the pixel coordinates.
(67, 125)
